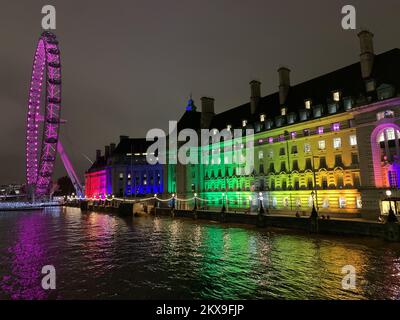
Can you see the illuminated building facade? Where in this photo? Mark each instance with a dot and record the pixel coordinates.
(123, 171)
(332, 141)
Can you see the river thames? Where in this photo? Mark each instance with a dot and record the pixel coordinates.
(101, 256)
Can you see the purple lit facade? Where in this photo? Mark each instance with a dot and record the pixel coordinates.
(123, 171)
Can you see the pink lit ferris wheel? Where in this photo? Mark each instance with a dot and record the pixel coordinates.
(45, 89)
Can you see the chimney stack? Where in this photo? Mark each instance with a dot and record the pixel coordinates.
(107, 152)
(284, 84)
(98, 155)
(207, 112)
(112, 148)
(366, 53)
(255, 87)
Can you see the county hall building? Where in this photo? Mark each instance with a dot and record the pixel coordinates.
(332, 141)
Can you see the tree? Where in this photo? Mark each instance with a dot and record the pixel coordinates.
(65, 187)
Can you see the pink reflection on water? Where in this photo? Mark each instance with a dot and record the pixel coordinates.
(28, 256)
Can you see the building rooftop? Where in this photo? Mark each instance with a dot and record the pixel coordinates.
(348, 81)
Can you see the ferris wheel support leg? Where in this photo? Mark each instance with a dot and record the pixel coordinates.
(70, 170)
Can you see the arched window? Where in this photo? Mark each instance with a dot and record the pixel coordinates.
(389, 134)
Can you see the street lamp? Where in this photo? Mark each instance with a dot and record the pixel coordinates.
(223, 202)
(173, 201)
(391, 216)
(155, 200)
(261, 209)
(314, 213)
(195, 202)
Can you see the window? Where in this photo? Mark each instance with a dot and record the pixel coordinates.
(337, 143)
(294, 150)
(354, 158)
(271, 167)
(370, 85)
(390, 134)
(359, 202)
(393, 179)
(293, 134)
(229, 127)
(295, 165)
(121, 176)
(338, 160)
(336, 127)
(336, 96)
(282, 152)
(353, 140)
(342, 202)
(307, 147)
(308, 164)
(296, 184)
(260, 155)
(321, 145)
(324, 182)
(348, 103)
(339, 181)
(283, 111)
(325, 203)
(385, 91)
(385, 114)
(244, 123)
(286, 202)
(320, 130)
(310, 184)
(271, 153)
(322, 163)
(262, 118)
(306, 132)
(308, 104)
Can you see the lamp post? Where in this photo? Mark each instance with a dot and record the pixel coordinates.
(195, 202)
(314, 212)
(223, 202)
(391, 216)
(173, 201)
(315, 184)
(261, 209)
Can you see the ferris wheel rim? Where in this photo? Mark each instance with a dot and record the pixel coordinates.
(46, 69)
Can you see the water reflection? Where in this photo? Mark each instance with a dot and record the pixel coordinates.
(101, 256)
(27, 257)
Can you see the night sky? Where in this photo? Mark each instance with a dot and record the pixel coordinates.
(129, 66)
